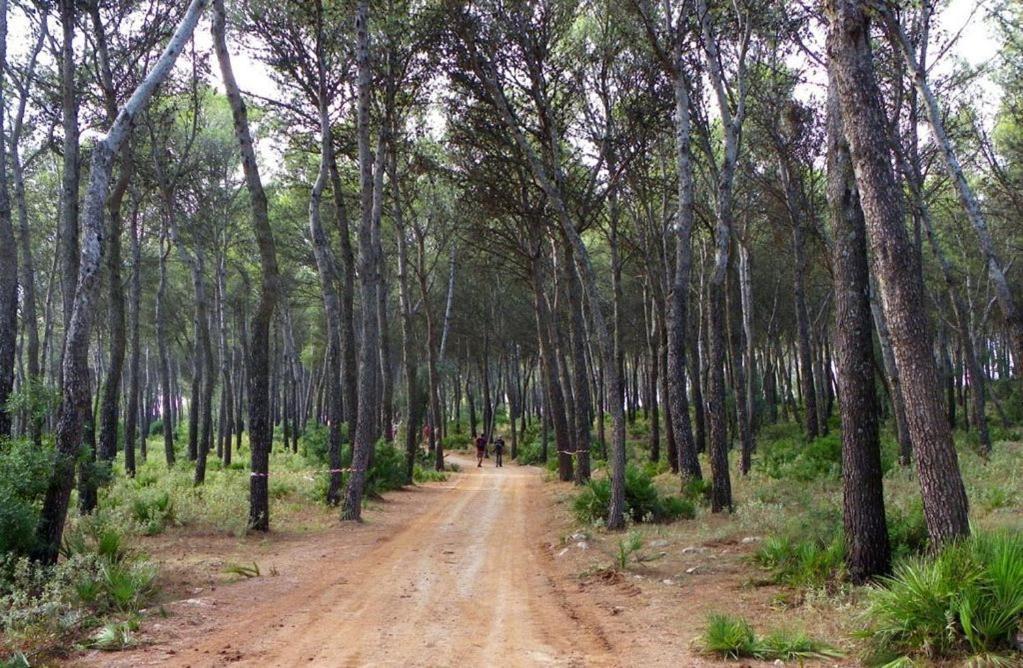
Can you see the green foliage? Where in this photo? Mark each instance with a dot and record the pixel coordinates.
(243, 570)
(734, 638)
(697, 490)
(805, 564)
(387, 471)
(677, 508)
(729, 637)
(795, 459)
(314, 442)
(530, 453)
(16, 660)
(421, 475)
(966, 599)
(456, 441)
(153, 509)
(907, 530)
(115, 636)
(627, 547)
(24, 470)
(34, 398)
(643, 502)
(98, 582)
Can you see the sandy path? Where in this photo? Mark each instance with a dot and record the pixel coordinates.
(460, 580)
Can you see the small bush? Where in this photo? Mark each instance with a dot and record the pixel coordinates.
(115, 636)
(697, 490)
(456, 441)
(729, 637)
(677, 508)
(387, 471)
(530, 453)
(421, 475)
(805, 564)
(24, 471)
(153, 510)
(734, 638)
(794, 459)
(156, 427)
(907, 530)
(642, 500)
(967, 599)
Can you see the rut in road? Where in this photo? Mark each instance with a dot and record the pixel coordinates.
(461, 583)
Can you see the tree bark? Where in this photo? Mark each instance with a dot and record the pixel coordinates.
(8, 258)
(868, 553)
(370, 279)
(326, 265)
(996, 269)
(260, 433)
(75, 383)
(897, 267)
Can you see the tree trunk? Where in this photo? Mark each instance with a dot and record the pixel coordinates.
(134, 374)
(370, 279)
(8, 259)
(868, 553)
(897, 267)
(258, 361)
(167, 389)
(75, 384)
(996, 270)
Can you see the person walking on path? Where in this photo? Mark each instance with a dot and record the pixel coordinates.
(499, 451)
(481, 449)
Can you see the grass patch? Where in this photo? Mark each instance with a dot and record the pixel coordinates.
(734, 638)
(968, 599)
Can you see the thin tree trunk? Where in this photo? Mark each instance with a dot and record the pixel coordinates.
(370, 278)
(75, 384)
(258, 361)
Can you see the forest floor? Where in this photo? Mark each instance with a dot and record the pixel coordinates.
(487, 568)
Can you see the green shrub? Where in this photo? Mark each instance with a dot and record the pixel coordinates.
(456, 441)
(314, 443)
(729, 637)
(697, 489)
(530, 453)
(24, 471)
(967, 599)
(677, 508)
(795, 459)
(156, 427)
(734, 638)
(805, 564)
(387, 471)
(153, 510)
(907, 530)
(642, 500)
(421, 475)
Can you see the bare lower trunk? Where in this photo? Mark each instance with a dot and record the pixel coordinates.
(897, 266)
(370, 279)
(868, 553)
(134, 373)
(8, 259)
(258, 361)
(75, 384)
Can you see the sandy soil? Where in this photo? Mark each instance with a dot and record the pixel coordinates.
(445, 574)
(484, 570)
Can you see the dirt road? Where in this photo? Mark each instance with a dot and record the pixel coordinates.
(460, 579)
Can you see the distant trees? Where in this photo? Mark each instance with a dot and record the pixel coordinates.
(575, 223)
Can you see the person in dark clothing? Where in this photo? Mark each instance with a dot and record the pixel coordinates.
(481, 449)
(499, 451)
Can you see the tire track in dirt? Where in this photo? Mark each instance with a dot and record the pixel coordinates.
(463, 580)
